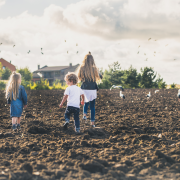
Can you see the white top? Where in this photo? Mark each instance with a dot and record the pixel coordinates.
(74, 92)
(90, 94)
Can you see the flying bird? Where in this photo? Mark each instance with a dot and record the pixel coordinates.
(155, 40)
(76, 44)
(138, 52)
(139, 46)
(154, 51)
(14, 45)
(145, 54)
(146, 59)
(0, 43)
(116, 87)
(28, 51)
(41, 49)
(77, 52)
(149, 39)
(65, 40)
(67, 51)
(42, 53)
(174, 59)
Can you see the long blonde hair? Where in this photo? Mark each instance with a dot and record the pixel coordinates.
(88, 70)
(13, 86)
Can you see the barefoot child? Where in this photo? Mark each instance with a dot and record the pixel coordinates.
(17, 98)
(72, 95)
(88, 74)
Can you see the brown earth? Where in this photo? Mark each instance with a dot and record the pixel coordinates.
(133, 139)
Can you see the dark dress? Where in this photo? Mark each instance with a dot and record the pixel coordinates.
(16, 107)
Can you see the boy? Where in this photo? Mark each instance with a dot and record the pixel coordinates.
(72, 95)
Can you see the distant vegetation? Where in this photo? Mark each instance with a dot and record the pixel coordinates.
(130, 78)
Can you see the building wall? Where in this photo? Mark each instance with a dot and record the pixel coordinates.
(6, 64)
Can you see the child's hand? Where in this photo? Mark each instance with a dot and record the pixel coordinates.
(60, 106)
(82, 103)
(25, 106)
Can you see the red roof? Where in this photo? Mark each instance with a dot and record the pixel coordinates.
(7, 64)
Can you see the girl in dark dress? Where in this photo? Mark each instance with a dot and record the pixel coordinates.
(17, 98)
(88, 74)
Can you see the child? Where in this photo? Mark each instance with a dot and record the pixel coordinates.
(89, 75)
(72, 95)
(17, 98)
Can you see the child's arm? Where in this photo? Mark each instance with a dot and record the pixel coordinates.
(63, 100)
(82, 99)
(24, 96)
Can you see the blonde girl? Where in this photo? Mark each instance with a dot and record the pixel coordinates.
(88, 74)
(17, 98)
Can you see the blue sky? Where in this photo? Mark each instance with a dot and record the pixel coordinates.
(138, 33)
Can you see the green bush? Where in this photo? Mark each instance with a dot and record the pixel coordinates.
(2, 85)
(173, 86)
(42, 85)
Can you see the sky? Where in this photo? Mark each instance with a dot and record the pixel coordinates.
(138, 33)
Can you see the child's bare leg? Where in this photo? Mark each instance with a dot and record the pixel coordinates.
(14, 120)
(18, 120)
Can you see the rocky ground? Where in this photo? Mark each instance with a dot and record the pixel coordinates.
(133, 139)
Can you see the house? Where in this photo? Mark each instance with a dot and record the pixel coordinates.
(53, 73)
(5, 64)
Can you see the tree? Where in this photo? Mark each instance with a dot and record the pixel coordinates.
(147, 78)
(25, 73)
(6, 73)
(160, 83)
(131, 78)
(112, 76)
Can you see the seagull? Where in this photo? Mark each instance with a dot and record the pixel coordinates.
(42, 53)
(156, 91)
(28, 51)
(13, 45)
(148, 95)
(117, 87)
(178, 95)
(41, 49)
(122, 95)
(149, 39)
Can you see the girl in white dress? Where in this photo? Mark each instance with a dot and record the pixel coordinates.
(88, 74)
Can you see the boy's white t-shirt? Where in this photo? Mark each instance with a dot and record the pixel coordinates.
(74, 92)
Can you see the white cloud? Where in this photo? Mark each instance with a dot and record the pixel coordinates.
(2, 2)
(111, 29)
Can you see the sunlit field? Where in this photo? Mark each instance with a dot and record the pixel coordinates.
(137, 138)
